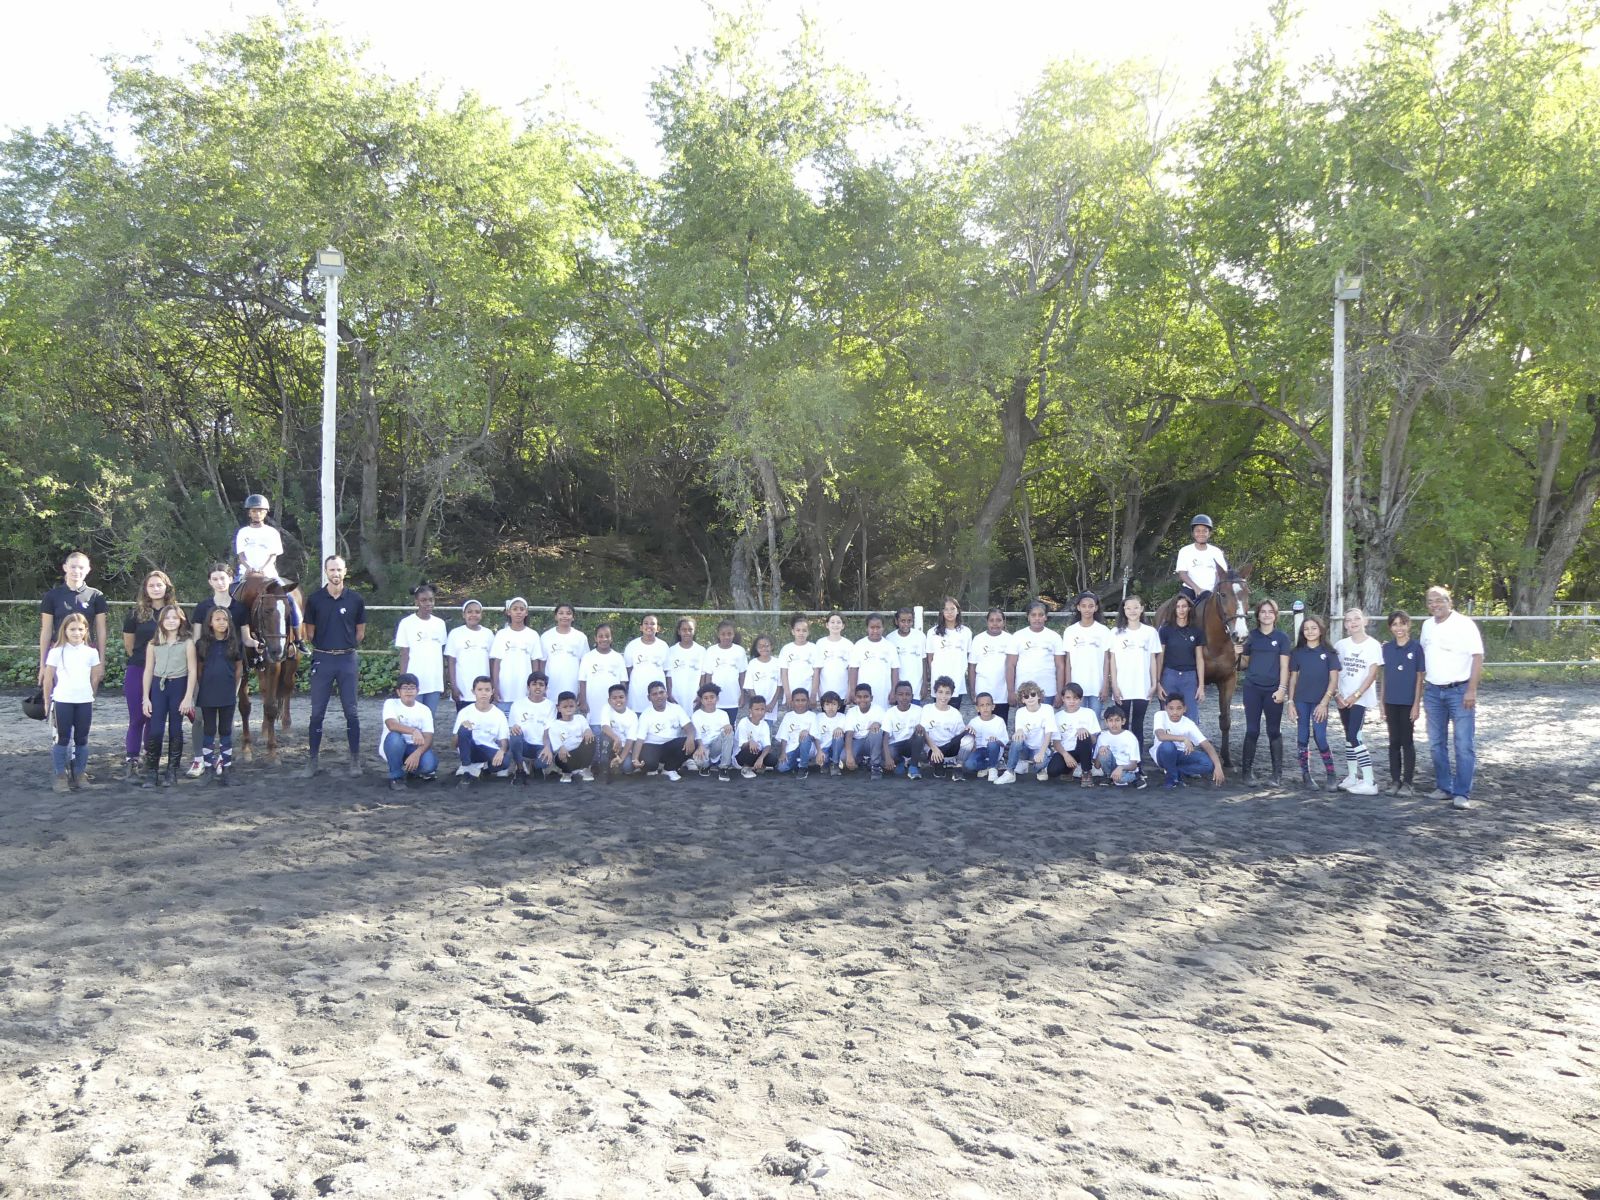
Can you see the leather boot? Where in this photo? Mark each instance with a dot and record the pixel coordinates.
(1248, 773)
(1275, 747)
(152, 766)
(175, 767)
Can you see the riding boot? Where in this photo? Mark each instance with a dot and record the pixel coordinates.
(152, 766)
(1248, 774)
(1275, 748)
(174, 769)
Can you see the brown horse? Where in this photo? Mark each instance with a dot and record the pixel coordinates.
(1221, 614)
(275, 664)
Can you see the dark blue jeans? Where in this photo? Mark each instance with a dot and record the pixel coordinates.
(327, 672)
(1451, 722)
(165, 696)
(396, 750)
(1171, 759)
(72, 726)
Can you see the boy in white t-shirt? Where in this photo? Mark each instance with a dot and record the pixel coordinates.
(943, 726)
(1078, 728)
(912, 647)
(257, 547)
(617, 728)
(832, 725)
(1117, 751)
(569, 743)
(1360, 662)
(1200, 564)
(407, 740)
(483, 736)
(666, 735)
(713, 735)
(863, 734)
(874, 660)
(755, 740)
(797, 735)
(904, 738)
(987, 734)
(1033, 736)
(529, 716)
(1180, 748)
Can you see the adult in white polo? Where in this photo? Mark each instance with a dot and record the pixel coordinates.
(1452, 650)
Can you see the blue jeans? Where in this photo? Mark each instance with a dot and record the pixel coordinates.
(1108, 764)
(165, 696)
(474, 752)
(1018, 752)
(1171, 759)
(905, 754)
(1445, 708)
(1094, 704)
(833, 752)
(985, 758)
(430, 701)
(520, 750)
(868, 750)
(1185, 684)
(1305, 727)
(798, 759)
(396, 750)
(327, 672)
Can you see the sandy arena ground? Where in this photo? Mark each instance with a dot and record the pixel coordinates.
(786, 988)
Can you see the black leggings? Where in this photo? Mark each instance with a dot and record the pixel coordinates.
(1402, 746)
(1080, 752)
(1258, 700)
(1136, 710)
(666, 755)
(72, 722)
(218, 720)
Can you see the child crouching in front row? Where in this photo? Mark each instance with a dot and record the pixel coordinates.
(569, 743)
(1117, 751)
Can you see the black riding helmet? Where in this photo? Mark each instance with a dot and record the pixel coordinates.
(33, 706)
(257, 500)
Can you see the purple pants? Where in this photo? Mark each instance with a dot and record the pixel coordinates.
(133, 693)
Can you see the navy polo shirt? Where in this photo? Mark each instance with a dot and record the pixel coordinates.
(60, 602)
(1265, 649)
(1402, 671)
(335, 619)
(1315, 666)
(1180, 643)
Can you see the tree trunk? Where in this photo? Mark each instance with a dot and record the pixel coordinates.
(740, 569)
(1018, 433)
(1558, 515)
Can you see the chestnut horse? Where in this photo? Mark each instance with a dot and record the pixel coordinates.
(1221, 614)
(275, 664)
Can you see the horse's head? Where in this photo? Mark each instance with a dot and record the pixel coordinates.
(1233, 602)
(269, 619)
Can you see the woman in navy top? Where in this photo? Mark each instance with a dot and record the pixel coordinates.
(1183, 660)
(1265, 660)
(1400, 693)
(1313, 675)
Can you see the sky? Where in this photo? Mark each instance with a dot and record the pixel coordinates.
(954, 65)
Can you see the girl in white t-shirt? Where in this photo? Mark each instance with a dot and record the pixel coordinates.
(466, 654)
(1035, 657)
(646, 657)
(723, 664)
(833, 662)
(798, 660)
(564, 648)
(949, 643)
(420, 638)
(72, 672)
(515, 654)
(1086, 642)
(1360, 663)
(1135, 665)
(600, 668)
(764, 676)
(988, 659)
(683, 666)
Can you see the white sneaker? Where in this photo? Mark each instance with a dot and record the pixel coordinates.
(197, 768)
(747, 772)
(1349, 782)
(992, 775)
(1460, 802)
(1438, 794)
(674, 776)
(586, 775)
(1361, 787)
(1042, 775)
(1007, 777)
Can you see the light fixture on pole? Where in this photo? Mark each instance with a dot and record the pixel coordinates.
(1345, 289)
(330, 265)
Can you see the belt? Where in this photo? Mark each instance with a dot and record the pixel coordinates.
(1457, 683)
(320, 650)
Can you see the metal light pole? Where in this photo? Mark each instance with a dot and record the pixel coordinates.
(1345, 289)
(330, 265)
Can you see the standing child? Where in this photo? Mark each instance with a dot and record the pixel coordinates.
(987, 732)
(72, 672)
(831, 728)
(406, 742)
(137, 630)
(569, 743)
(863, 734)
(949, 645)
(1360, 661)
(515, 653)
(989, 663)
(221, 662)
(1036, 734)
(466, 654)
(764, 676)
(943, 726)
(483, 736)
(1117, 751)
(1078, 728)
(724, 665)
(755, 741)
(713, 735)
(904, 738)
(798, 660)
(1400, 693)
(911, 647)
(1179, 748)
(1183, 657)
(1313, 676)
(646, 657)
(1036, 657)
(600, 670)
(170, 677)
(564, 648)
(530, 715)
(420, 638)
(221, 581)
(617, 731)
(1266, 688)
(833, 660)
(873, 660)
(1087, 642)
(685, 666)
(796, 745)
(1135, 665)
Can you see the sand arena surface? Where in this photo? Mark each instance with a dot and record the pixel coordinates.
(786, 988)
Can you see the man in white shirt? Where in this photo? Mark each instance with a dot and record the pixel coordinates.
(1452, 650)
(1180, 748)
(1200, 564)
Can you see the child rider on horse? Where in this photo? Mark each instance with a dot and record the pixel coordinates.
(1200, 564)
(256, 548)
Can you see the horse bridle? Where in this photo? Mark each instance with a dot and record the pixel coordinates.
(274, 644)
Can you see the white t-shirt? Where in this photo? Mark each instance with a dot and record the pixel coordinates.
(795, 725)
(708, 726)
(913, 651)
(1203, 565)
(800, 662)
(1086, 648)
(1037, 651)
(517, 650)
(532, 717)
(624, 725)
(900, 726)
(944, 725)
(1124, 747)
(683, 673)
(563, 657)
(860, 723)
(1182, 727)
(758, 732)
(989, 652)
(725, 665)
(985, 732)
(1037, 728)
(425, 641)
(415, 715)
(764, 678)
(1133, 651)
(647, 664)
(948, 650)
(833, 658)
(488, 728)
(259, 547)
(829, 728)
(1070, 724)
(73, 666)
(567, 735)
(470, 650)
(1448, 647)
(1355, 659)
(874, 662)
(597, 672)
(657, 728)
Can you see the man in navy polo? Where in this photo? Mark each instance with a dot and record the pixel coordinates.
(335, 622)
